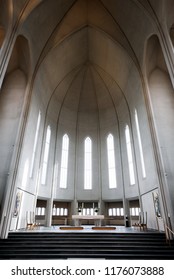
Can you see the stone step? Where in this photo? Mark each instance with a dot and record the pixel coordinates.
(35, 245)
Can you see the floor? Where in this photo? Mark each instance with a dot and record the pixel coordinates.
(86, 228)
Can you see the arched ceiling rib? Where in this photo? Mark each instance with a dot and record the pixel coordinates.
(72, 17)
(95, 48)
(84, 38)
(83, 13)
(89, 94)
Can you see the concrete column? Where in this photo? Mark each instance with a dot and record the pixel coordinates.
(127, 221)
(49, 210)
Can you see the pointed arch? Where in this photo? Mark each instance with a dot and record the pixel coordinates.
(129, 156)
(64, 162)
(140, 145)
(46, 155)
(111, 162)
(88, 163)
(12, 96)
(35, 144)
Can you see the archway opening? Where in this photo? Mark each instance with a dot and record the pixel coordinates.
(162, 99)
(172, 34)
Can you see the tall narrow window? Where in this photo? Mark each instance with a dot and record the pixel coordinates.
(25, 174)
(46, 154)
(129, 155)
(140, 145)
(111, 162)
(64, 162)
(35, 145)
(88, 164)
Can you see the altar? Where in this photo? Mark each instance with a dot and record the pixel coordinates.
(96, 218)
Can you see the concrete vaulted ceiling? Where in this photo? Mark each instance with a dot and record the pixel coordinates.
(82, 61)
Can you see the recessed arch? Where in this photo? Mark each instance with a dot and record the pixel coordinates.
(11, 104)
(2, 35)
(171, 32)
(6, 10)
(162, 103)
(20, 58)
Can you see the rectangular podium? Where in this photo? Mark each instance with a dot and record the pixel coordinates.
(96, 218)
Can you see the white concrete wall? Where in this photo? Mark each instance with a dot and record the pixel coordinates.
(11, 102)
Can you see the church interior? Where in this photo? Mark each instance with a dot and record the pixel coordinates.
(86, 114)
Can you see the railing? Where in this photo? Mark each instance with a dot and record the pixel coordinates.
(168, 233)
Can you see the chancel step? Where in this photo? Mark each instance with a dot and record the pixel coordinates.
(42, 245)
